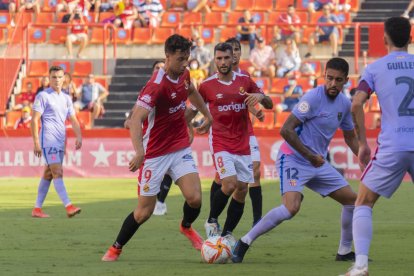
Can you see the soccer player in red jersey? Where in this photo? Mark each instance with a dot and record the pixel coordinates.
(161, 141)
(228, 95)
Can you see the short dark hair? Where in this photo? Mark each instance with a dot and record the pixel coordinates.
(339, 64)
(290, 6)
(177, 43)
(223, 47)
(156, 63)
(399, 30)
(55, 68)
(232, 41)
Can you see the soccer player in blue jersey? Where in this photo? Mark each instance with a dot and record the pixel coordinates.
(392, 79)
(52, 107)
(301, 160)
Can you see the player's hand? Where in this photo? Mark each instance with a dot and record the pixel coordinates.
(364, 156)
(136, 162)
(317, 160)
(260, 115)
(126, 123)
(78, 143)
(253, 99)
(37, 150)
(205, 126)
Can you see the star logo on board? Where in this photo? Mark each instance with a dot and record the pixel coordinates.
(101, 156)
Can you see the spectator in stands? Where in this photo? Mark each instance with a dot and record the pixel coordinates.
(291, 96)
(78, 32)
(291, 31)
(325, 33)
(69, 87)
(150, 13)
(197, 75)
(24, 121)
(202, 55)
(126, 13)
(69, 6)
(191, 5)
(318, 5)
(342, 5)
(30, 5)
(288, 61)
(407, 11)
(44, 83)
(263, 60)
(246, 30)
(91, 96)
(25, 98)
(9, 5)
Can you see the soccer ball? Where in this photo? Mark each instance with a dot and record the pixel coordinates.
(216, 250)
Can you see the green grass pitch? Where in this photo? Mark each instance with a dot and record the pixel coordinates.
(306, 245)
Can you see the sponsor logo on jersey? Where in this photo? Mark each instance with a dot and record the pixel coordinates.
(250, 166)
(187, 157)
(174, 109)
(173, 95)
(219, 96)
(339, 116)
(232, 107)
(242, 91)
(292, 182)
(146, 98)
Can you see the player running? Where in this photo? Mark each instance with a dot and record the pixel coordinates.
(52, 107)
(392, 79)
(158, 114)
(301, 159)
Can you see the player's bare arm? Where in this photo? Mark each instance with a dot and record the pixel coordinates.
(257, 113)
(34, 127)
(255, 98)
(135, 130)
(289, 134)
(357, 109)
(76, 128)
(189, 115)
(351, 140)
(198, 102)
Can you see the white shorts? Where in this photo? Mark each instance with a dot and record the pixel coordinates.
(77, 37)
(254, 149)
(386, 171)
(228, 164)
(53, 155)
(153, 170)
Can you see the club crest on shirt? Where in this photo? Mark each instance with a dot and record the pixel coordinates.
(292, 182)
(339, 116)
(146, 98)
(223, 170)
(303, 107)
(242, 91)
(146, 188)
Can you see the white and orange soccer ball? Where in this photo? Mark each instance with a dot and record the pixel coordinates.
(216, 250)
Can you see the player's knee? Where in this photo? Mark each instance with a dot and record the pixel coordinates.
(229, 187)
(194, 201)
(293, 208)
(256, 174)
(142, 215)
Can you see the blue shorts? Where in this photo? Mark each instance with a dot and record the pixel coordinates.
(53, 155)
(385, 172)
(295, 174)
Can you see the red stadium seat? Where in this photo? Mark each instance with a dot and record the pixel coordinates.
(185, 32)
(97, 36)
(38, 68)
(34, 81)
(278, 84)
(11, 118)
(49, 5)
(208, 35)
(141, 36)
(78, 81)
(314, 17)
(283, 5)
(64, 64)
(214, 18)
(227, 33)
(58, 35)
(234, 17)
(374, 104)
(281, 118)
(161, 34)
(122, 36)
(192, 18)
(276, 99)
(37, 35)
(244, 64)
(305, 83)
(85, 119)
(102, 80)
(105, 15)
(242, 5)
(262, 83)
(263, 5)
(45, 18)
(82, 68)
(170, 19)
(372, 120)
(221, 5)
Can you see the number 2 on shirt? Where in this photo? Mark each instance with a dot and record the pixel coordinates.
(403, 109)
